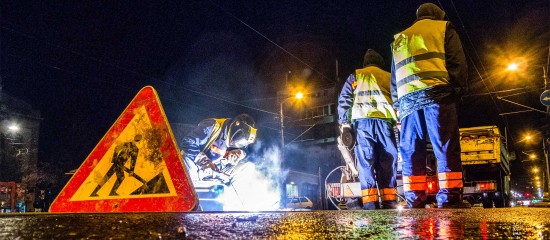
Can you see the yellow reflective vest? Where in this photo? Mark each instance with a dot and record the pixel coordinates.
(419, 56)
(372, 98)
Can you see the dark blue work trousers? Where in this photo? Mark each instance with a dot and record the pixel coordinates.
(439, 123)
(376, 153)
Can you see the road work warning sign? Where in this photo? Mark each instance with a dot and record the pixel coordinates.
(136, 167)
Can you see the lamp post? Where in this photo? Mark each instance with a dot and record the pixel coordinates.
(544, 100)
(515, 67)
(282, 119)
(545, 150)
(298, 95)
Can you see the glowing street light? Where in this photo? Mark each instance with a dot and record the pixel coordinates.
(535, 170)
(532, 156)
(13, 128)
(512, 67)
(299, 95)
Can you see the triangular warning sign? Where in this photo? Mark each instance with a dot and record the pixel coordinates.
(136, 167)
(348, 192)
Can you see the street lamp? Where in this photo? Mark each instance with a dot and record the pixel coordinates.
(545, 150)
(13, 128)
(298, 95)
(545, 95)
(512, 67)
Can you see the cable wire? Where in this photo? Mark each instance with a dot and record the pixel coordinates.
(480, 75)
(268, 39)
(143, 76)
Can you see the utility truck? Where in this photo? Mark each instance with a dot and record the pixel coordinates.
(486, 164)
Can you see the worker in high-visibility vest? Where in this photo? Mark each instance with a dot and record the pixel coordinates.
(365, 107)
(428, 69)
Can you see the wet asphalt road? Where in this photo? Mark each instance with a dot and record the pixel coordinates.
(475, 223)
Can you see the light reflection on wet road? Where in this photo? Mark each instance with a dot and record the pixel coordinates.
(476, 223)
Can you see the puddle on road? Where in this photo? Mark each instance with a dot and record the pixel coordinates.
(430, 228)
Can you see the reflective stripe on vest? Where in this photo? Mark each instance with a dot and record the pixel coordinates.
(388, 194)
(215, 133)
(372, 98)
(414, 183)
(450, 180)
(419, 56)
(369, 195)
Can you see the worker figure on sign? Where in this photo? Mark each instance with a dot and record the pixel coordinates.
(122, 153)
(215, 147)
(428, 69)
(365, 108)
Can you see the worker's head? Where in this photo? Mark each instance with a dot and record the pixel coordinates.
(430, 11)
(373, 58)
(241, 131)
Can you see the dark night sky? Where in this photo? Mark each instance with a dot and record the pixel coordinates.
(81, 63)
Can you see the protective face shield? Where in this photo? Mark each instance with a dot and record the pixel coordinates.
(241, 132)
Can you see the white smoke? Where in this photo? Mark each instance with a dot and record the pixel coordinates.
(257, 183)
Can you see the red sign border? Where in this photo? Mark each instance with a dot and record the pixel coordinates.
(186, 199)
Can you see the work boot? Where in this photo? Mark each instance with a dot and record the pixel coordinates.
(416, 199)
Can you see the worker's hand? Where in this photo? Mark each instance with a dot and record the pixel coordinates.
(207, 170)
(204, 163)
(206, 173)
(234, 156)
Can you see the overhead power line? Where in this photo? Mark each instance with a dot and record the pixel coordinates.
(480, 75)
(143, 76)
(268, 39)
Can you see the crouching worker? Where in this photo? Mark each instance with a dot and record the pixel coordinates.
(215, 147)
